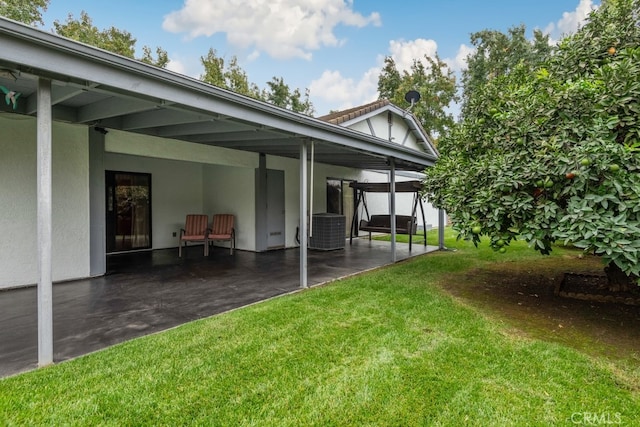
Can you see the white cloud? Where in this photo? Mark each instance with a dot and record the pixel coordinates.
(176, 67)
(342, 92)
(459, 63)
(281, 28)
(405, 52)
(570, 21)
(186, 66)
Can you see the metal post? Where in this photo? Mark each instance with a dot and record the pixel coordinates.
(44, 209)
(441, 229)
(392, 194)
(303, 215)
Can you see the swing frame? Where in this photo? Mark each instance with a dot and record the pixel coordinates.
(362, 188)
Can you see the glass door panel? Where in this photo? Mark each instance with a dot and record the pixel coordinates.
(128, 211)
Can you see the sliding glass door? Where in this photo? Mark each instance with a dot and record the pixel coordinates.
(128, 202)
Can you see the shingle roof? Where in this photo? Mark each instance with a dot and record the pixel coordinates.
(339, 117)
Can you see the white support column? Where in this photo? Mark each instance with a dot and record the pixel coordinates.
(303, 215)
(45, 288)
(392, 195)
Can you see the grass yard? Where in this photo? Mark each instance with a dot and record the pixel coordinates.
(396, 346)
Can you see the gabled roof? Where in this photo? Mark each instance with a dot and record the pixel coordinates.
(357, 114)
(98, 88)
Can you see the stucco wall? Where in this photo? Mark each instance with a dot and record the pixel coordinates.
(228, 189)
(176, 190)
(321, 172)
(188, 178)
(18, 199)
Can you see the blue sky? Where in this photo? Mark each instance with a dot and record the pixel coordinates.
(335, 48)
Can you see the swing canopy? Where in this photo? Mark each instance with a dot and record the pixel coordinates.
(385, 187)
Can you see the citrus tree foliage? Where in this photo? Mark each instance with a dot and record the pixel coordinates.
(552, 152)
(25, 11)
(436, 84)
(232, 77)
(111, 39)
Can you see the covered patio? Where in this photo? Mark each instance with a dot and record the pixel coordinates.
(84, 112)
(147, 292)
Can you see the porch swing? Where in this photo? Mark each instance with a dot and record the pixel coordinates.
(405, 224)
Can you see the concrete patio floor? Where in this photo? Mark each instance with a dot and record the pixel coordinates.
(147, 292)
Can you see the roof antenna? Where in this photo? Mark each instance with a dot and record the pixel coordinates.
(411, 97)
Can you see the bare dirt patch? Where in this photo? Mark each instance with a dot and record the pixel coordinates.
(523, 294)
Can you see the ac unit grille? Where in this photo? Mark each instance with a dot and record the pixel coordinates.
(328, 231)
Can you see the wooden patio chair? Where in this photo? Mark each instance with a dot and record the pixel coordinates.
(223, 229)
(196, 229)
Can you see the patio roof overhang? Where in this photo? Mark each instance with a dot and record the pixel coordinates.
(97, 88)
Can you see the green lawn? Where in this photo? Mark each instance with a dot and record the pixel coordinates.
(383, 348)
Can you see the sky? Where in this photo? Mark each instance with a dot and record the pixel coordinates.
(333, 48)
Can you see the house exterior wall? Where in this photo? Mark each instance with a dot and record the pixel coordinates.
(228, 189)
(380, 126)
(176, 190)
(186, 178)
(189, 178)
(291, 168)
(18, 199)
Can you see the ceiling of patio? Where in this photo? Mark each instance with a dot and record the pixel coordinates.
(106, 91)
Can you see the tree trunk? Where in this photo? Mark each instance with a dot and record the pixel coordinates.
(618, 280)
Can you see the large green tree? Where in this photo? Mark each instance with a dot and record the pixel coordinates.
(552, 152)
(278, 93)
(227, 75)
(111, 39)
(434, 81)
(231, 76)
(28, 12)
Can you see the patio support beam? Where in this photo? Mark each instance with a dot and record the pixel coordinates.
(44, 225)
(441, 229)
(392, 195)
(303, 215)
